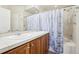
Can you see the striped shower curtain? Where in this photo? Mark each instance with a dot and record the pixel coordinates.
(51, 21)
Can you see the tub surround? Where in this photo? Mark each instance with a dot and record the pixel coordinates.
(69, 46)
(12, 41)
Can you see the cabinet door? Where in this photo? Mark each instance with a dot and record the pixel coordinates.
(44, 44)
(23, 49)
(35, 46)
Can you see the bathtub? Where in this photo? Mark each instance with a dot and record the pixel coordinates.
(69, 46)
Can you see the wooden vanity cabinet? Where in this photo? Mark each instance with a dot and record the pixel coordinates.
(36, 46)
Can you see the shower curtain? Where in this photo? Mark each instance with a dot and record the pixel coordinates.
(33, 23)
(51, 21)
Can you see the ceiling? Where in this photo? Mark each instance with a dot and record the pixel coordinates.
(37, 7)
(33, 9)
(42, 8)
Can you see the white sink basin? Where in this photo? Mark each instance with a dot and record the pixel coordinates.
(17, 37)
(24, 36)
(10, 37)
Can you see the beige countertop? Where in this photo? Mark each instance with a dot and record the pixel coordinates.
(11, 41)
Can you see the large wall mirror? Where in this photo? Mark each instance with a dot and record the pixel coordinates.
(4, 20)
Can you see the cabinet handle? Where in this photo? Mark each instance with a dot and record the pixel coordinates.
(32, 45)
(28, 47)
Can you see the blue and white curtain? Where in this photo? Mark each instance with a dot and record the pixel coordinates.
(51, 21)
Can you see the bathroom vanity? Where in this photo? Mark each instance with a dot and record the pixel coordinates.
(31, 43)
